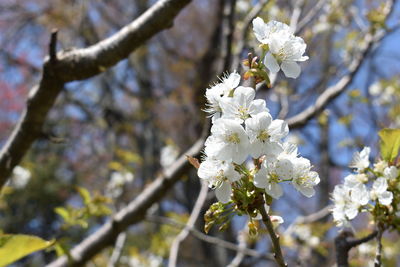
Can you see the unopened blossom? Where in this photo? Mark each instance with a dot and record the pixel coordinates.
(228, 141)
(218, 91)
(379, 191)
(360, 160)
(275, 219)
(265, 135)
(304, 179)
(242, 105)
(391, 172)
(219, 174)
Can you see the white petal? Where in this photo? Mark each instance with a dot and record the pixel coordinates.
(291, 69)
(271, 63)
(223, 192)
(259, 29)
(278, 130)
(274, 190)
(284, 169)
(260, 179)
(386, 198)
(351, 212)
(307, 191)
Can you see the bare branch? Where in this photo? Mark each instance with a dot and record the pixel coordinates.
(117, 252)
(173, 254)
(241, 35)
(241, 238)
(79, 64)
(211, 239)
(335, 90)
(344, 242)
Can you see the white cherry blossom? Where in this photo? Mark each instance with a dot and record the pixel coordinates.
(267, 178)
(229, 141)
(347, 202)
(391, 172)
(242, 105)
(265, 135)
(285, 52)
(219, 91)
(360, 160)
(353, 180)
(263, 31)
(219, 174)
(379, 191)
(20, 177)
(304, 179)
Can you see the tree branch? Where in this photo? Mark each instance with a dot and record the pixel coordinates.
(79, 64)
(274, 237)
(173, 254)
(211, 239)
(343, 244)
(335, 90)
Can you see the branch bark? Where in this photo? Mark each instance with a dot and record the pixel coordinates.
(344, 242)
(274, 238)
(80, 64)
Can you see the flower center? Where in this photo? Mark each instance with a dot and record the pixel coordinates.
(263, 136)
(243, 113)
(233, 138)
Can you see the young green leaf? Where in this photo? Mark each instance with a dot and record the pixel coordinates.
(390, 143)
(14, 247)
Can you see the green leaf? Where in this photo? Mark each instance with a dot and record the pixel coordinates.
(85, 195)
(63, 212)
(14, 247)
(390, 143)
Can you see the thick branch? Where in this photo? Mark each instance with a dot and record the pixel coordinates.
(344, 242)
(79, 64)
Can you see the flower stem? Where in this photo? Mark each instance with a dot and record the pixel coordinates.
(378, 257)
(274, 237)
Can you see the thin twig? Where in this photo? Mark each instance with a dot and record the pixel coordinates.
(210, 239)
(378, 257)
(242, 33)
(241, 238)
(174, 251)
(117, 252)
(274, 237)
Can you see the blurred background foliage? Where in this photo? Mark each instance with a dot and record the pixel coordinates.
(112, 134)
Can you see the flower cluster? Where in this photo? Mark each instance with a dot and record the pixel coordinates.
(368, 189)
(243, 128)
(283, 49)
